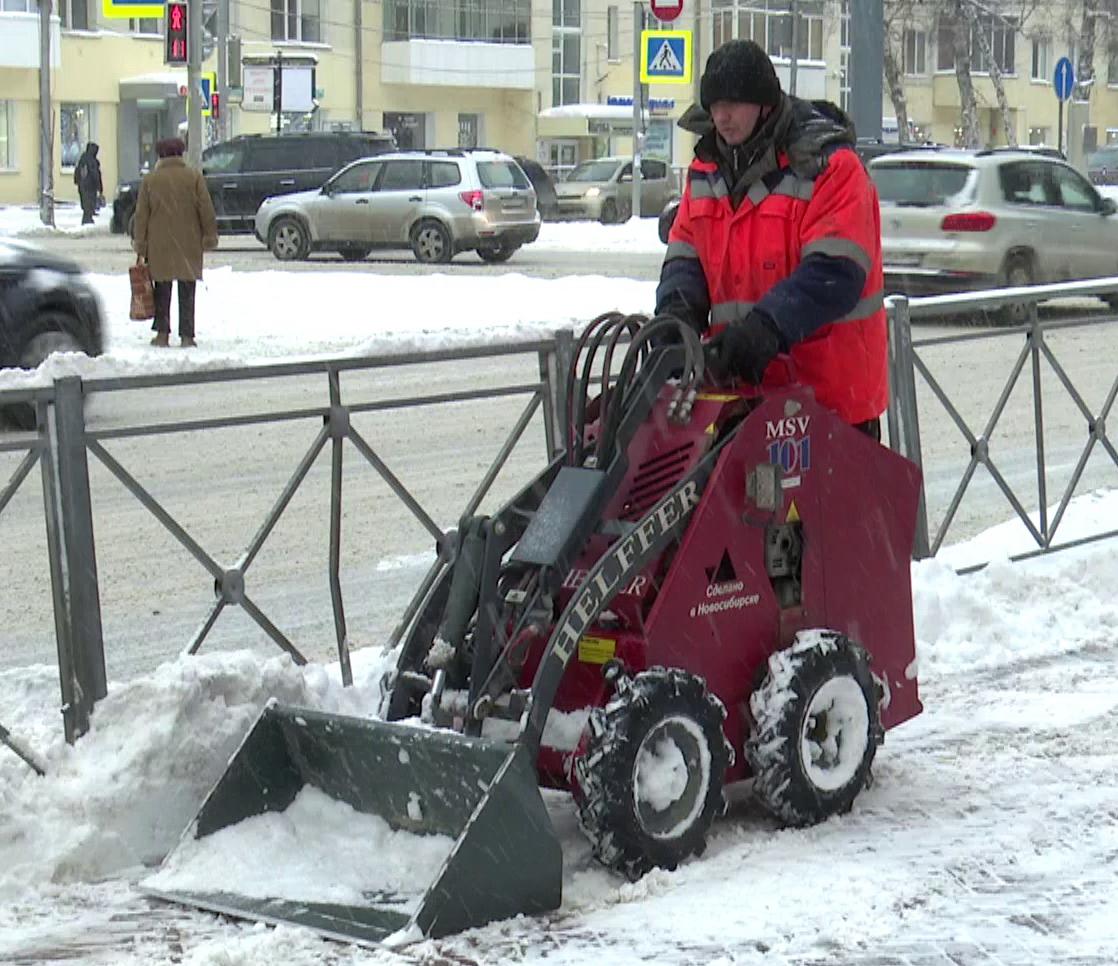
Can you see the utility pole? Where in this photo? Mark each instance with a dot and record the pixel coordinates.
(867, 35)
(794, 13)
(359, 57)
(221, 42)
(194, 82)
(638, 23)
(46, 119)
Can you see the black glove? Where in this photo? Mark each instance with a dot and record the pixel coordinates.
(744, 349)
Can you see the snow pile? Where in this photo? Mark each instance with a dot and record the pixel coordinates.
(24, 220)
(123, 795)
(378, 860)
(353, 314)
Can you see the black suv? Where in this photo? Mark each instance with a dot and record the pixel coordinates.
(45, 306)
(242, 172)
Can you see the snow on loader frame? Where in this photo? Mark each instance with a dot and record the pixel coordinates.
(708, 584)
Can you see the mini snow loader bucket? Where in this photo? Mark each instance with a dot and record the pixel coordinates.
(501, 856)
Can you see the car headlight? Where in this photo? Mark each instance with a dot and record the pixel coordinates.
(593, 192)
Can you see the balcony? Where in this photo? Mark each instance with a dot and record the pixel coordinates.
(458, 63)
(19, 41)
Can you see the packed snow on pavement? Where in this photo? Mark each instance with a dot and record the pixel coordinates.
(987, 837)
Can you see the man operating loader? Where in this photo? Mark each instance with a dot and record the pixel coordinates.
(776, 247)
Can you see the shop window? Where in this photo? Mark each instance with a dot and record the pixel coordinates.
(76, 122)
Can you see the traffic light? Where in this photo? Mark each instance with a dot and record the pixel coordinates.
(175, 49)
(215, 105)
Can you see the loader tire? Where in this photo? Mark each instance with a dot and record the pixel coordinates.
(815, 729)
(650, 782)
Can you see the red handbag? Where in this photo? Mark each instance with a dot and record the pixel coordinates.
(143, 292)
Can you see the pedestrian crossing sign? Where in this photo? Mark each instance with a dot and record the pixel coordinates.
(666, 56)
(126, 9)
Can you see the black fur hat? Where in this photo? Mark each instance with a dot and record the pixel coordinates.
(739, 70)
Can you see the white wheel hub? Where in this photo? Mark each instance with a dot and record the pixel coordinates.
(835, 734)
(671, 776)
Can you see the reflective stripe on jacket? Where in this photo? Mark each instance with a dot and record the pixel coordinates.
(754, 257)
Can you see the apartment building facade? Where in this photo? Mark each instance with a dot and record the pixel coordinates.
(546, 78)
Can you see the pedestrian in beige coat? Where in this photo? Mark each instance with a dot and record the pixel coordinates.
(175, 223)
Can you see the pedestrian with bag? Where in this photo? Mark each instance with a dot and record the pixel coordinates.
(776, 247)
(175, 224)
(87, 176)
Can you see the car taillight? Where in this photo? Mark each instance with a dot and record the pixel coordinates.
(968, 221)
(474, 199)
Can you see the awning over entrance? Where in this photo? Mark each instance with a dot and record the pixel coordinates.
(165, 84)
(582, 120)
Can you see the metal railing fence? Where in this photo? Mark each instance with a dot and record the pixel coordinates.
(907, 359)
(62, 444)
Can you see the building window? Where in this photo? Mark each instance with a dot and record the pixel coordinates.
(146, 25)
(844, 57)
(469, 126)
(1112, 66)
(613, 34)
(769, 23)
(7, 129)
(76, 121)
(915, 53)
(410, 130)
(1038, 135)
(488, 21)
(1000, 34)
(1039, 68)
(74, 14)
(18, 6)
(297, 20)
(566, 52)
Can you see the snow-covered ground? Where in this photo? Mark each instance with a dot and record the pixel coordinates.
(988, 837)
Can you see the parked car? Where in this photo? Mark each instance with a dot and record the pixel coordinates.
(602, 189)
(242, 172)
(955, 220)
(1102, 165)
(46, 305)
(437, 203)
(547, 201)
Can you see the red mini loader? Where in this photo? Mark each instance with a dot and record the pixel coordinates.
(706, 585)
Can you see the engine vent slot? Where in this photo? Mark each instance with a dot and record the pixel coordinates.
(654, 478)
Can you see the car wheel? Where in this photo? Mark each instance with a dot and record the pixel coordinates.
(52, 332)
(609, 212)
(431, 243)
(497, 255)
(354, 253)
(288, 240)
(1018, 271)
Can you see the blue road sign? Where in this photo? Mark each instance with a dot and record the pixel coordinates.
(1064, 79)
(666, 56)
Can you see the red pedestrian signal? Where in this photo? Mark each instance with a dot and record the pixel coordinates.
(175, 50)
(215, 105)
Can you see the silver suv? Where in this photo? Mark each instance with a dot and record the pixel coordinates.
(437, 203)
(963, 220)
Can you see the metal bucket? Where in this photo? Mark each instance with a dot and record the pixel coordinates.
(483, 795)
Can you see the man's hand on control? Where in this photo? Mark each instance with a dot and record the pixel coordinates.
(744, 349)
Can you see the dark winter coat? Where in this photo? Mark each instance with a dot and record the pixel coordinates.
(786, 226)
(87, 173)
(175, 221)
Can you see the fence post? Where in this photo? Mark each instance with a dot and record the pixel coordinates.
(903, 415)
(73, 564)
(554, 367)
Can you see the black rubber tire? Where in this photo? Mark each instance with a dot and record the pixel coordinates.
(494, 256)
(53, 331)
(289, 239)
(817, 694)
(354, 253)
(630, 834)
(609, 212)
(431, 243)
(1018, 271)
